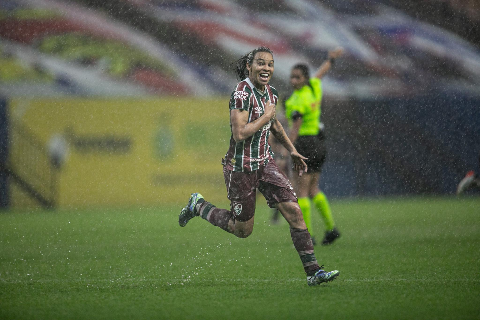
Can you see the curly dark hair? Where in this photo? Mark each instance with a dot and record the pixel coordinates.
(241, 64)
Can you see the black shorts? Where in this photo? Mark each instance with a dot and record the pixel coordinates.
(242, 186)
(312, 147)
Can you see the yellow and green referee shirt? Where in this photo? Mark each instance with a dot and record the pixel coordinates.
(306, 101)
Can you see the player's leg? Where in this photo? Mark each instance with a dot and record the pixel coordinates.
(279, 193)
(197, 206)
(303, 244)
(311, 148)
(319, 199)
(238, 220)
(282, 161)
(321, 202)
(275, 219)
(323, 207)
(304, 202)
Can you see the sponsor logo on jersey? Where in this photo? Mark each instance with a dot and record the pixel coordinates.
(240, 95)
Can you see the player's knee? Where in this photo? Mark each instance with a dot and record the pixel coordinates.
(242, 233)
(243, 229)
(297, 215)
(313, 192)
(293, 214)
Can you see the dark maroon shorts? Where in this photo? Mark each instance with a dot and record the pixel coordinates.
(242, 186)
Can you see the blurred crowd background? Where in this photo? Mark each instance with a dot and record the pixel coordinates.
(158, 47)
(401, 107)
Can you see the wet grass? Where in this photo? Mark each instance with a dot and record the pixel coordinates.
(399, 259)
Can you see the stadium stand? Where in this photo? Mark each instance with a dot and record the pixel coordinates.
(169, 47)
(460, 17)
(403, 101)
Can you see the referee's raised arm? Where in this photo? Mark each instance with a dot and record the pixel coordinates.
(327, 64)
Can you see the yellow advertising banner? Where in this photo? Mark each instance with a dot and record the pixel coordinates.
(131, 152)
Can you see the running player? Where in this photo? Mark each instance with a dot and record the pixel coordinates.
(303, 109)
(249, 165)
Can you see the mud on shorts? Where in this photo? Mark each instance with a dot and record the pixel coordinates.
(242, 187)
(314, 149)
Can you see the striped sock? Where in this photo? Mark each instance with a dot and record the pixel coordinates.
(217, 217)
(304, 246)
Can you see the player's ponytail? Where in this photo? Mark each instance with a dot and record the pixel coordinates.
(241, 64)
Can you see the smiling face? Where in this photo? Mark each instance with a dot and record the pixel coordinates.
(261, 69)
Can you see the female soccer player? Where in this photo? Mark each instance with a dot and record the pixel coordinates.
(303, 110)
(249, 165)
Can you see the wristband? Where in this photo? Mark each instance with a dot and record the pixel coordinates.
(332, 60)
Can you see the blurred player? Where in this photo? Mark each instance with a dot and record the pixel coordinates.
(249, 165)
(471, 180)
(303, 109)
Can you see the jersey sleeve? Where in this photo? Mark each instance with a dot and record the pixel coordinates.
(240, 99)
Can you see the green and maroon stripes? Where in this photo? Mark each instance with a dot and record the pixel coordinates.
(304, 246)
(247, 155)
(217, 217)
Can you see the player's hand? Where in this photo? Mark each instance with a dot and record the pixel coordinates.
(337, 52)
(298, 163)
(270, 110)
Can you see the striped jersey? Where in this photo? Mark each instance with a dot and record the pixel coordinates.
(248, 155)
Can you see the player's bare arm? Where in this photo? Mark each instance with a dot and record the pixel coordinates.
(295, 129)
(279, 133)
(242, 129)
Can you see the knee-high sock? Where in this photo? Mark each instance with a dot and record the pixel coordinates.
(322, 205)
(304, 204)
(217, 217)
(304, 246)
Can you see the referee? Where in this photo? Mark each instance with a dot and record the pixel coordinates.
(303, 110)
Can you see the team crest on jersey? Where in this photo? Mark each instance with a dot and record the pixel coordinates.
(237, 208)
(240, 95)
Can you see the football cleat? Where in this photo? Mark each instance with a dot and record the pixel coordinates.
(322, 276)
(189, 211)
(330, 236)
(466, 182)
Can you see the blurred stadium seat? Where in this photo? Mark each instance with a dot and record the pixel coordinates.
(172, 47)
(401, 107)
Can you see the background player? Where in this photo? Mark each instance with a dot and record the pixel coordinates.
(303, 109)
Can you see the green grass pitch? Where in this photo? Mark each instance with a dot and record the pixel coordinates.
(400, 258)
